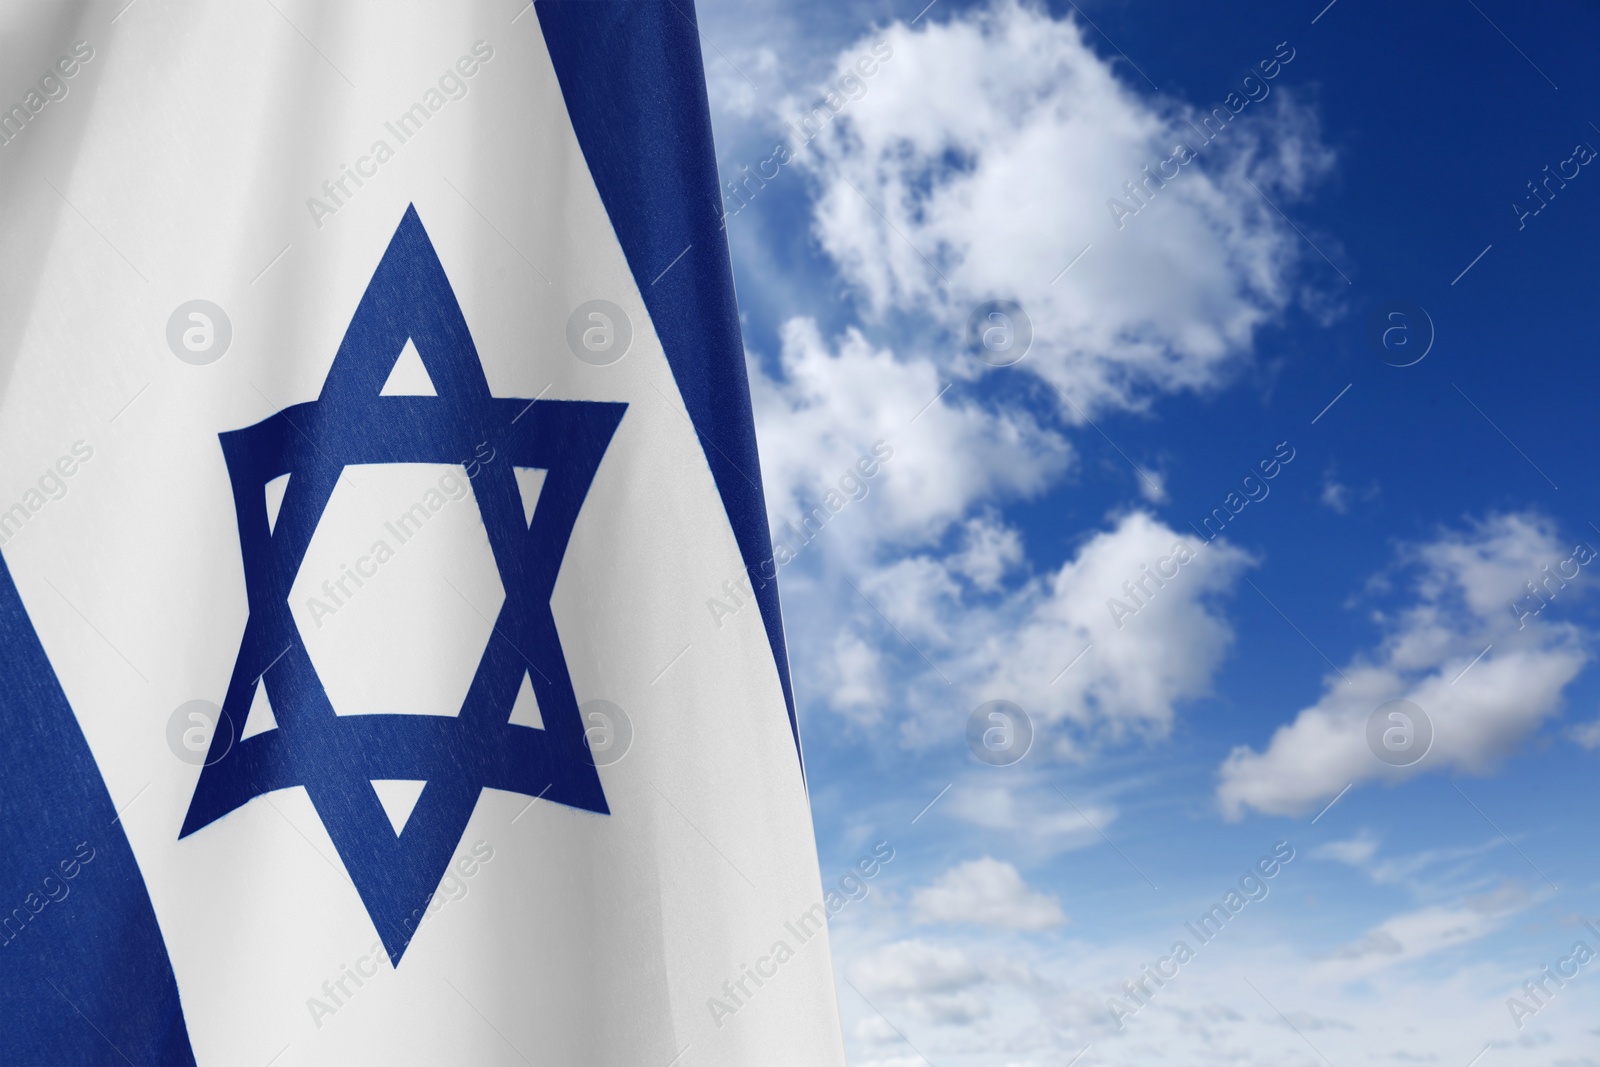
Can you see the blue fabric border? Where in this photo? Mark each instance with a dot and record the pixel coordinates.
(631, 74)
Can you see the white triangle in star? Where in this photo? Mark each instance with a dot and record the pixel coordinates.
(525, 712)
(530, 480)
(399, 798)
(260, 718)
(409, 377)
(275, 490)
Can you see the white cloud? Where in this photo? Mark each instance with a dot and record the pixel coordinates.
(990, 550)
(986, 892)
(1030, 814)
(827, 410)
(1356, 851)
(1335, 495)
(1153, 486)
(736, 83)
(1088, 662)
(1586, 734)
(937, 983)
(1427, 874)
(1136, 667)
(1463, 584)
(858, 680)
(1415, 934)
(991, 145)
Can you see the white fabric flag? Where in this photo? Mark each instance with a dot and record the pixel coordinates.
(374, 432)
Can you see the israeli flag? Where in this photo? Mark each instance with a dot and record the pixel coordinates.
(373, 430)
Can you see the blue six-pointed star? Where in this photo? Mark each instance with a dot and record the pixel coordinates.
(336, 758)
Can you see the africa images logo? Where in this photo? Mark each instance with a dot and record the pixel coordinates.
(337, 758)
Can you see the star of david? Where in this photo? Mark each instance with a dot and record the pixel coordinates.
(337, 757)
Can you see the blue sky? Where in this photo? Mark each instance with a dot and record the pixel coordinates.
(1177, 353)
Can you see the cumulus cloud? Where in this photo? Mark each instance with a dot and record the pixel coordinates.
(1090, 661)
(1103, 647)
(735, 84)
(829, 405)
(986, 892)
(981, 162)
(935, 982)
(1135, 666)
(1458, 650)
(989, 551)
